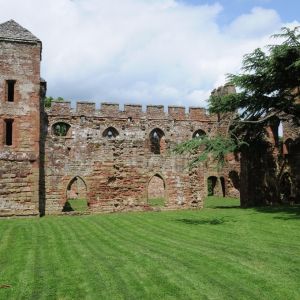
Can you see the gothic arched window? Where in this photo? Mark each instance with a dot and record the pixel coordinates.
(110, 133)
(157, 143)
(198, 134)
(60, 129)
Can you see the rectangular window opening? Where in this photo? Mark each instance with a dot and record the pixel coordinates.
(8, 132)
(10, 90)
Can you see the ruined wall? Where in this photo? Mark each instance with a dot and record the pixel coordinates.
(117, 169)
(19, 162)
(270, 166)
(290, 183)
(108, 156)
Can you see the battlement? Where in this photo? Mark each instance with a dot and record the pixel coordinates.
(108, 110)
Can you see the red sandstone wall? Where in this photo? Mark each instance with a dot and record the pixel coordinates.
(19, 164)
(117, 171)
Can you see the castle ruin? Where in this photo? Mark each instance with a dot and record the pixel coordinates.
(116, 159)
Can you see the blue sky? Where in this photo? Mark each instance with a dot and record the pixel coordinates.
(288, 9)
(171, 52)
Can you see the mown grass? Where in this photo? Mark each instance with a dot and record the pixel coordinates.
(220, 252)
(156, 202)
(78, 204)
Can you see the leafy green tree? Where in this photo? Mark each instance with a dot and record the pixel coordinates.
(48, 100)
(268, 87)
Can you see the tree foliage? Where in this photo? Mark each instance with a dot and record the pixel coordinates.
(268, 86)
(269, 83)
(48, 100)
(205, 148)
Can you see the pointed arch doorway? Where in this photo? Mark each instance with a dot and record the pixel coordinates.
(156, 191)
(76, 195)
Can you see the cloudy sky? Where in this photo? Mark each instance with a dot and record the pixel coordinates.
(171, 52)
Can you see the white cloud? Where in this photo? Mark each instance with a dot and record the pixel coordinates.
(258, 23)
(141, 51)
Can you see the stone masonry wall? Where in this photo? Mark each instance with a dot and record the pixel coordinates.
(117, 170)
(19, 162)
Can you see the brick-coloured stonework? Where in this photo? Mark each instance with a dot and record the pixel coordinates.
(19, 163)
(118, 169)
(116, 159)
(110, 157)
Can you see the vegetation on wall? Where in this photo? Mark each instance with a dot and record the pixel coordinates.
(48, 100)
(268, 91)
(216, 147)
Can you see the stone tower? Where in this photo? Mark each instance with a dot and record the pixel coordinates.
(20, 98)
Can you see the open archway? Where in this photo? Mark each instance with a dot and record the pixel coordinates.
(156, 191)
(211, 185)
(76, 195)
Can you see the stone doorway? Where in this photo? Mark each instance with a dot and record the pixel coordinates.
(156, 191)
(76, 195)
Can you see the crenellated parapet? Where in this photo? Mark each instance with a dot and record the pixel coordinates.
(135, 111)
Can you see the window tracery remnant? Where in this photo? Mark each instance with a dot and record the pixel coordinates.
(60, 129)
(110, 133)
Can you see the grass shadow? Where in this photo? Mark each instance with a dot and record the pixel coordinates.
(226, 206)
(213, 221)
(281, 212)
(290, 212)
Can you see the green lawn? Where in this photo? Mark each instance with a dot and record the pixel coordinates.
(78, 205)
(159, 202)
(220, 252)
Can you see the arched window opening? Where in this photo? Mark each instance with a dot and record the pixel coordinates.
(198, 134)
(156, 191)
(157, 141)
(76, 195)
(110, 133)
(211, 185)
(60, 129)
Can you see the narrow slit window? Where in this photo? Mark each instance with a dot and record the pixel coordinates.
(8, 132)
(10, 90)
